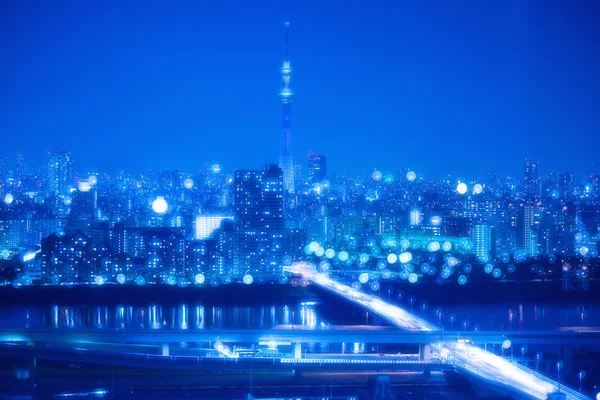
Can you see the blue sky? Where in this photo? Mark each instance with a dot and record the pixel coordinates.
(440, 87)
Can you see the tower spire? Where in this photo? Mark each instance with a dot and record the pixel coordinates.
(286, 95)
(287, 27)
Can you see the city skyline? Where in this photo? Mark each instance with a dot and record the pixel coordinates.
(161, 96)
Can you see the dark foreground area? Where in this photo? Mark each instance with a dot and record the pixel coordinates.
(51, 380)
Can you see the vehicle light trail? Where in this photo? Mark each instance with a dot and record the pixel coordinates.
(465, 356)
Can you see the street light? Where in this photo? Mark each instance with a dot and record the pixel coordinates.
(523, 351)
(581, 375)
(559, 366)
(538, 356)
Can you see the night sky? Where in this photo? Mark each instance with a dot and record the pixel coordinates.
(438, 86)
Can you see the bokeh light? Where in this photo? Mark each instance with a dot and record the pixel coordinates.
(84, 186)
(188, 183)
(199, 279)
(462, 188)
(248, 279)
(377, 176)
(411, 176)
(363, 278)
(413, 278)
(160, 205)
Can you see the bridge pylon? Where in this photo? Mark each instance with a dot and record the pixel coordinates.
(383, 388)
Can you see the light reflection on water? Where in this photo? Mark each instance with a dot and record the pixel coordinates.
(155, 316)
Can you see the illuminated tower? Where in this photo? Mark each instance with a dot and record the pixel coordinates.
(286, 95)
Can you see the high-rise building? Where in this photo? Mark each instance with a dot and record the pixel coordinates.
(529, 233)
(531, 187)
(20, 168)
(565, 185)
(317, 167)
(259, 223)
(207, 224)
(286, 95)
(60, 172)
(481, 234)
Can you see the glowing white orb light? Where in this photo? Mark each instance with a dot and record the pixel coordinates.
(446, 246)
(375, 286)
(84, 186)
(413, 278)
(99, 279)
(9, 198)
(363, 258)
(159, 205)
(319, 252)
(405, 244)
(313, 246)
(67, 201)
(377, 176)
(506, 344)
(411, 176)
(92, 180)
(405, 257)
(433, 246)
(363, 278)
(477, 189)
(462, 188)
(392, 258)
(583, 250)
(330, 253)
(121, 278)
(199, 279)
(248, 279)
(343, 256)
(188, 183)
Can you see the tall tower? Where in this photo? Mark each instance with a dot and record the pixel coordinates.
(286, 95)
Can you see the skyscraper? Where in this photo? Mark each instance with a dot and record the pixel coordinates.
(19, 167)
(60, 172)
(531, 180)
(481, 234)
(259, 223)
(529, 234)
(317, 167)
(286, 95)
(565, 185)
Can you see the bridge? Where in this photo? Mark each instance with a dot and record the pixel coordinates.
(466, 357)
(294, 334)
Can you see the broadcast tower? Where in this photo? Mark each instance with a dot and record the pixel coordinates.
(286, 95)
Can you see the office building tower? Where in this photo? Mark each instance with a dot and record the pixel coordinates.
(415, 217)
(317, 167)
(286, 95)
(565, 185)
(481, 235)
(259, 223)
(20, 168)
(531, 186)
(529, 234)
(60, 172)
